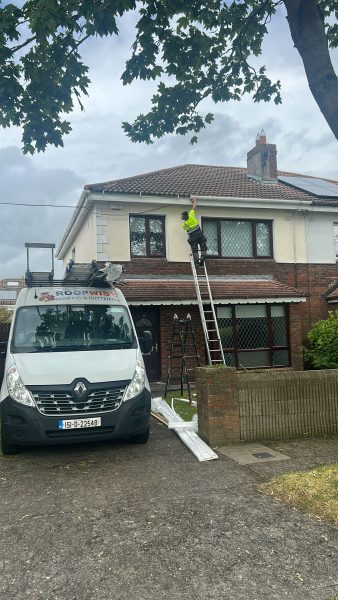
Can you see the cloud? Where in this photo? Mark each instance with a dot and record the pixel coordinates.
(22, 182)
(98, 150)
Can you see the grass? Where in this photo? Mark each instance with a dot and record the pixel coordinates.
(314, 491)
(185, 410)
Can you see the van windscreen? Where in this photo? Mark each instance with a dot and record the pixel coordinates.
(66, 328)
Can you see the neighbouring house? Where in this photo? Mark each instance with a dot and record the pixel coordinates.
(9, 290)
(272, 250)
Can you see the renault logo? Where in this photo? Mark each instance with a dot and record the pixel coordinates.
(80, 390)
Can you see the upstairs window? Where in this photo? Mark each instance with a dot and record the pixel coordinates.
(238, 239)
(146, 236)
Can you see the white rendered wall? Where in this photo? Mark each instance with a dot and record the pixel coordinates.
(298, 236)
(84, 242)
(320, 238)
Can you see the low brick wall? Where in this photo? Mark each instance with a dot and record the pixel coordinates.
(242, 406)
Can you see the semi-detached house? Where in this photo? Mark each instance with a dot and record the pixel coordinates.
(271, 245)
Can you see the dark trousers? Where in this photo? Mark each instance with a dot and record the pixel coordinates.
(197, 240)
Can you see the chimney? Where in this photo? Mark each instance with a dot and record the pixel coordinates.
(262, 160)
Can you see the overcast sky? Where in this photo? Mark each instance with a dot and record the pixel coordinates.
(98, 150)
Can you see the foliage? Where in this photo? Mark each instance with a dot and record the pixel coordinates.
(195, 49)
(322, 352)
(314, 491)
(5, 315)
(184, 409)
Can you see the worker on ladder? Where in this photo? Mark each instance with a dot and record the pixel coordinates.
(196, 238)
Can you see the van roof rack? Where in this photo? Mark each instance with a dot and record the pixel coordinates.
(76, 275)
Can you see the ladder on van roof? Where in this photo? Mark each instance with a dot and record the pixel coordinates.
(208, 314)
(77, 274)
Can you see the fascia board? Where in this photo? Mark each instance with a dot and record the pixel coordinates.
(208, 201)
(78, 217)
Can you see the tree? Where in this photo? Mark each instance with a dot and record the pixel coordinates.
(5, 315)
(322, 352)
(195, 49)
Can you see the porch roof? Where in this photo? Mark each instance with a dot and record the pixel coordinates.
(224, 291)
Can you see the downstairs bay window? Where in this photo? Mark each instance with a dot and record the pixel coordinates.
(254, 335)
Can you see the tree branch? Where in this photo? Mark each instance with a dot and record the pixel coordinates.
(28, 41)
(307, 29)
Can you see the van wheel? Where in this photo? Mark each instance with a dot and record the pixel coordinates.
(140, 439)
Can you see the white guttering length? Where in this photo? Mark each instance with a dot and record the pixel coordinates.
(216, 201)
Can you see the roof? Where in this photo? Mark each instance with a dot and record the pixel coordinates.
(224, 290)
(205, 180)
(7, 295)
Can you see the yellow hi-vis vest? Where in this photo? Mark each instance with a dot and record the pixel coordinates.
(191, 222)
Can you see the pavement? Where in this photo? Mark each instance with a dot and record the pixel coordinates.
(120, 521)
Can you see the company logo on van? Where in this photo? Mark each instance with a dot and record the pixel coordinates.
(46, 297)
(73, 294)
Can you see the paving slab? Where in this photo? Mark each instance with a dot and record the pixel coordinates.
(247, 454)
(117, 521)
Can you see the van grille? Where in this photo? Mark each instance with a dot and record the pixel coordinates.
(63, 402)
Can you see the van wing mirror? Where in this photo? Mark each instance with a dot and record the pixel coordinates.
(146, 342)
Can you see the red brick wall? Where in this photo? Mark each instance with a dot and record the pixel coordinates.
(312, 280)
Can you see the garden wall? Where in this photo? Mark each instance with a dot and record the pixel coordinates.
(236, 406)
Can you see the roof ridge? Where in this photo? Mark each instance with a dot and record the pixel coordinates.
(280, 172)
(88, 186)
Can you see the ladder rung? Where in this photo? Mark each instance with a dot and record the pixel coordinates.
(210, 350)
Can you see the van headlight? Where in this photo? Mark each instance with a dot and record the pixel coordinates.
(16, 388)
(137, 383)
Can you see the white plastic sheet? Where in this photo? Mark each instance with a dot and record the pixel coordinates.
(189, 437)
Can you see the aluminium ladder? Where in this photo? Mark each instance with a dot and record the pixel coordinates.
(208, 314)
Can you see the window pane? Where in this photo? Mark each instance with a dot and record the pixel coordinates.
(254, 360)
(138, 246)
(278, 325)
(280, 358)
(210, 232)
(224, 320)
(236, 238)
(262, 239)
(156, 236)
(252, 326)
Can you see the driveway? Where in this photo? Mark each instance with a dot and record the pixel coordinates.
(117, 521)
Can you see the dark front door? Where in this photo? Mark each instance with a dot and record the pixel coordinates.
(148, 319)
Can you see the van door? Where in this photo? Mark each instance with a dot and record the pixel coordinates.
(148, 319)
(4, 333)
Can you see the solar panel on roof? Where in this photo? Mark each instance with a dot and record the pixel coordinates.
(313, 185)
(5, 295)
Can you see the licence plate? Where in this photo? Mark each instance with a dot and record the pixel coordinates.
(79, 423)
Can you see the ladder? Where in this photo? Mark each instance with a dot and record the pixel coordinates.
(77, 274)
(183, 347)
(208, 314)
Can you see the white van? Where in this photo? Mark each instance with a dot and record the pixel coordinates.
(74, 370)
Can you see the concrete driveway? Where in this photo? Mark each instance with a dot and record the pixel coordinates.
(117, 521)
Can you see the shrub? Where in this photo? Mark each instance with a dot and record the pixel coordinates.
(322, 352)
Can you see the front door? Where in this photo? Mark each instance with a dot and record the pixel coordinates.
(148, 319)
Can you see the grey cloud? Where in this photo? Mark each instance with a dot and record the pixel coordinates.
(23, 182)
